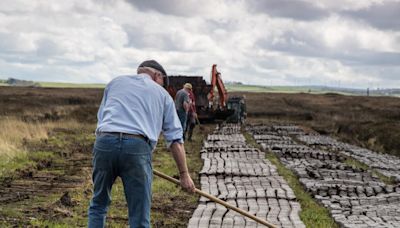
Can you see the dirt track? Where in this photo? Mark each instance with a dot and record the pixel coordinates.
(239, 173)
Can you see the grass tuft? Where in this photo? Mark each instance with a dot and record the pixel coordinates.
(15, 132)
(360, 165)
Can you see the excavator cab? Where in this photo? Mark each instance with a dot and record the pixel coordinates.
(237, 106)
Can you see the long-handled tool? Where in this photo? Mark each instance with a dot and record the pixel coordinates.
(198, 122)
(215, 199)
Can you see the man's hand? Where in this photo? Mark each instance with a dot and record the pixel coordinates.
(178, 152)
(187, 182)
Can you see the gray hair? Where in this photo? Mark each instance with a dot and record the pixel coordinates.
(141, 69)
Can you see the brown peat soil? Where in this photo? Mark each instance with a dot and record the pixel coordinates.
(46, 180)
(371, 122)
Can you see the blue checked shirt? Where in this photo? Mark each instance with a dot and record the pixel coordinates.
(138, 105)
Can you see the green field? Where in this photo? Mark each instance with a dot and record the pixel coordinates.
(280, 89)
(71, 85)
(243, 88)
(61, 84)
(267, 89)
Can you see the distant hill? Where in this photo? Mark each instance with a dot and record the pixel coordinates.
(18, 82)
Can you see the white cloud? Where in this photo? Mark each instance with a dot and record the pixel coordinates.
(96, 40)
(346, 4)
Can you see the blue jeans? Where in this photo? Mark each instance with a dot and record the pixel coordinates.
(130, 159)
(183, 118)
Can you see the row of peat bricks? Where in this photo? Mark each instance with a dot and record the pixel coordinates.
(239, 174)
(355, 197)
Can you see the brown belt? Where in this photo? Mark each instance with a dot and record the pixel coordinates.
(125, 135)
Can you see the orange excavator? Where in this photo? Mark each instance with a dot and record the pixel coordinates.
(216, 82)
(209, 105)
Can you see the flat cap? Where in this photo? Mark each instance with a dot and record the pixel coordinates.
(188, 86)
(153, 64)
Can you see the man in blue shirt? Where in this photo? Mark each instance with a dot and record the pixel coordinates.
(134, 111)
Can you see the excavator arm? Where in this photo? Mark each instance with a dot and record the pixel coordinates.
(216, 81)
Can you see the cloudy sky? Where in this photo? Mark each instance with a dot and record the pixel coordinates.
(347, 43)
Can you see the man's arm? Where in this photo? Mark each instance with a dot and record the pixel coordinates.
(101, 107)
(178, 152)
(186, 106)
(186, 102)
(173, 133)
